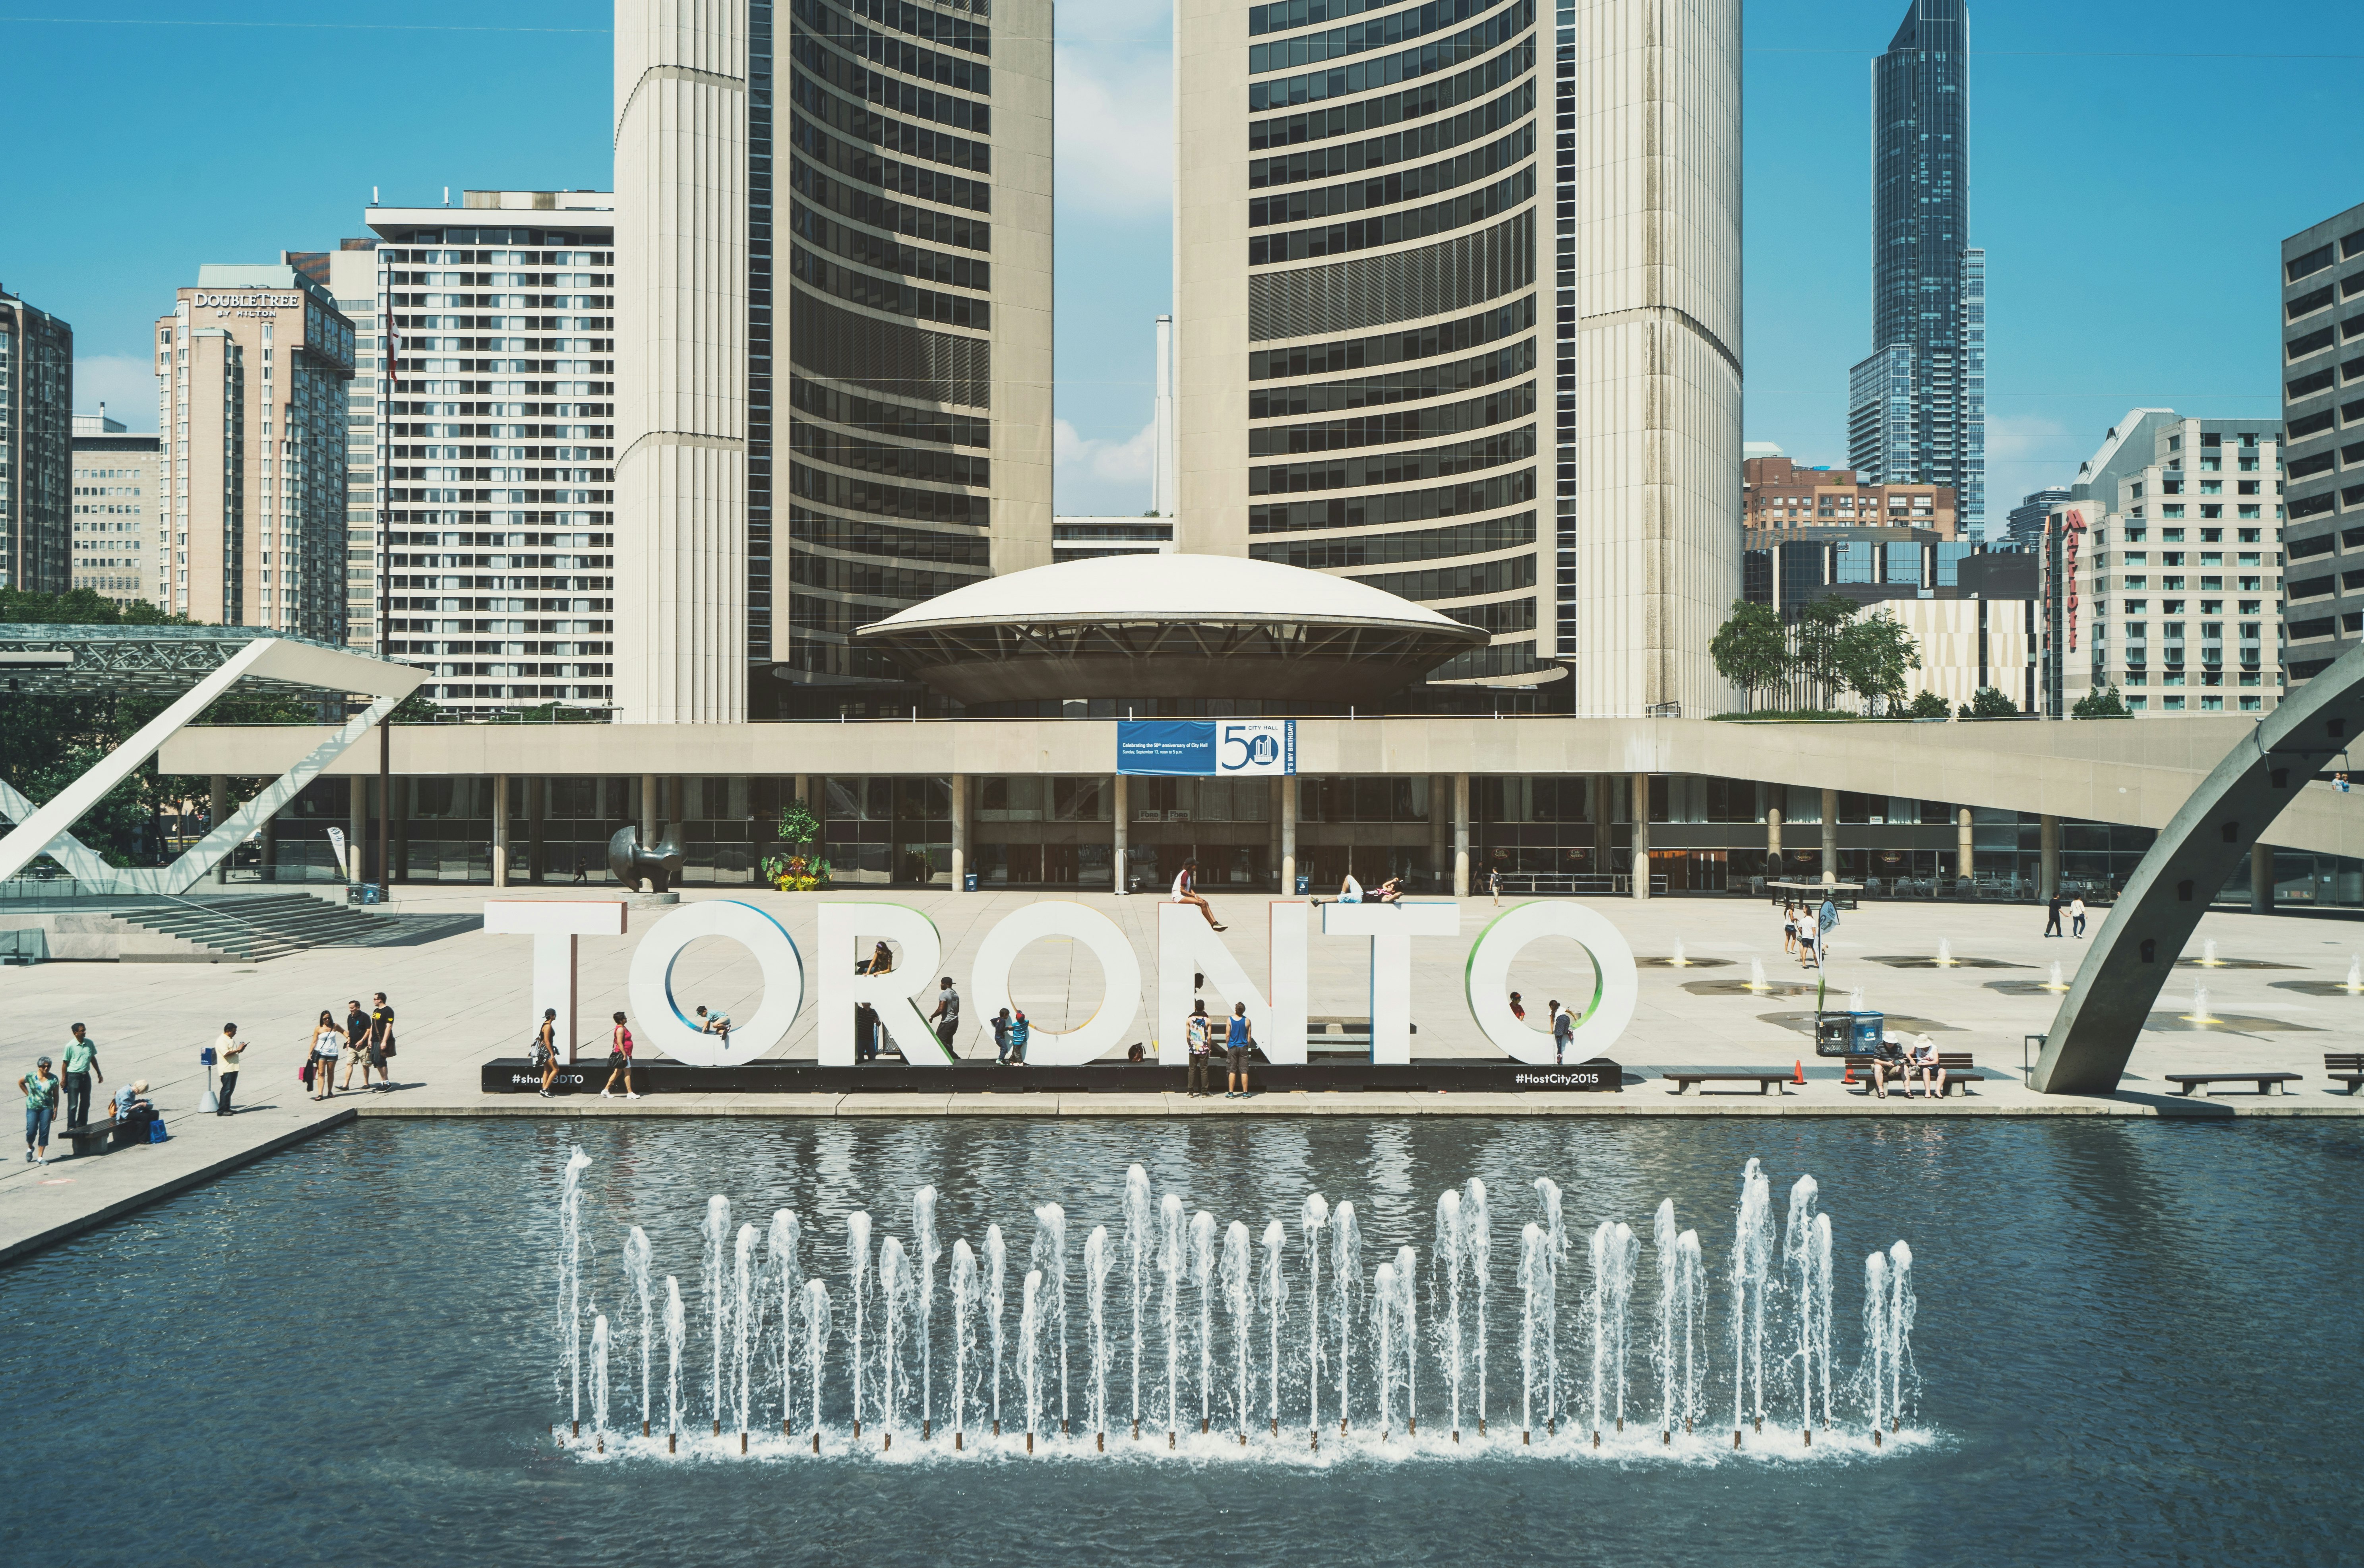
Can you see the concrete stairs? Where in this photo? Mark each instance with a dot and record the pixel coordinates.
(255, 927)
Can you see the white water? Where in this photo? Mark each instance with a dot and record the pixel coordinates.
(1945, 954)
(1752, 1270)
(676, 1327)
(1097, 1264)
(716, 1234)
(2208, 953)
(1346, 1284)
(1555, 1243)
(997, 1259)
(896, 1291)
(1407, 1329)
(2199, 1014)
(1383, 1312)
(1238, 1298)
(570, 1276)
(1679, 961)
(1315, 1216)
(636, 1269)
(1682, 1319)
(1137, 1244)
(1049, 1256)
(857, 1246)
(1806, 1278)
(780, 1247)
(964, 1297)
(1171, 1233)
(1203, 1279)
(816, 1341)
(1276, 1303)
(1476, 1246)
(1535, 1278)
(1030, 1349)
(1616, 1257)
(2356, 972)
(599, 1376)
(1855, 1000)
(742, 1325)
(1445, 1263)
(1757, 975)
(923, 1241)
(2059, 981)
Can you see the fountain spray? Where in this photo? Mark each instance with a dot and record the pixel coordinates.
(1752, 1250)
(1276, 1304)
(570, 1278)
(636, 1267)
(1136, 1242)
(1238, 1275)
(1203, 1279)
(780, 1245)
(599, 1381)
(1030, 1351)
(1316, 1217)
(1097, 1264)
(964, 1294)
(857, 1246)
(997, 1259)
(1347, 1282)
(1535, 1283)
(816, 1346)
(895, 1292)
(1798, 1270)
(1445, 1263)
(1407, 1325)
(743, 1329)
(1475, 1247)
(1171, 1232)
(1051, 1257)
(676, 1327)
(716, 1229)
(923, 1237)
(1616, 1255)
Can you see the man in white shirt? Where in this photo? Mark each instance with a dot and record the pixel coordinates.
(1185, 891)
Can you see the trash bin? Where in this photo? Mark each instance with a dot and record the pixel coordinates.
(1304, 884)
(968, 882)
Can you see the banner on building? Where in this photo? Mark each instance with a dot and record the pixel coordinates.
(1206, 747)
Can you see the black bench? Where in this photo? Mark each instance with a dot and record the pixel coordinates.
(2346, 1069)
(112, 1133)
(1687, 1080)
(1955, 1065)
(2196, 1083)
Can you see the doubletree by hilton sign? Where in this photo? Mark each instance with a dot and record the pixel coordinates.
(1185, 949)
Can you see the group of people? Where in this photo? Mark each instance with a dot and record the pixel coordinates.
(2075, 909)
(1562, 1023)
(364, 1039)
(44, 1088)
(546, 1053)
(1916, 1064)
(1804, 930)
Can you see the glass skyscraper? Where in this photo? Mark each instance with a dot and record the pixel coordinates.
(1916, 405)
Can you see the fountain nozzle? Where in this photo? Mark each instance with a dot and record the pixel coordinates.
(1735, 1437)
(1525, 1438)
(956, 1441)
(1030, 1442)
(1875, 1437)
(1809, 1437)
(742, 1443)
(673, 1438)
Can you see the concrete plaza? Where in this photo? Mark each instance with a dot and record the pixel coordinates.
(465, 999)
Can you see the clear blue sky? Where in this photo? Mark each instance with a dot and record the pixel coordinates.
(2131, 189)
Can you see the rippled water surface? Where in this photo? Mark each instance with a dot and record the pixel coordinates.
(2138, 1343)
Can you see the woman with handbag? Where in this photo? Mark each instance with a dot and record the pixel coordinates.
(327, 1041)
(619, 1060)
(545, 1049)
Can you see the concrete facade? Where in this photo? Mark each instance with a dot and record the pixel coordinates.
(834, 314)
(117, 508)
(252, 365)
(1586, 434)
(2322, 270)
(36, 448)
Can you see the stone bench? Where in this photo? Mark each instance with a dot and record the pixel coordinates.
(2195, 1084)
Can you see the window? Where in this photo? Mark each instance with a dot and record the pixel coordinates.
(2314, 261)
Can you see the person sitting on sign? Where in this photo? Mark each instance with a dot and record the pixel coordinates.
(1185, 891)
(715, 1022)
(1350, 891)
(1391, 891)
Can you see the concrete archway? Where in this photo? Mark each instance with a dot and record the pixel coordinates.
(2094, 1033)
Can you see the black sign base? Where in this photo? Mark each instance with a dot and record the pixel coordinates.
(512, 1076)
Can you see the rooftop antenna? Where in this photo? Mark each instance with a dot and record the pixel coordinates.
(373, 195)
(447, 196)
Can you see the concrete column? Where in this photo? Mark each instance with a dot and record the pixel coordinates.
(2262, 879)
(268, 868)
(216, 812)
(960, 832)
(1461, 835)
(1288, 837)
(1117, 816)
(676, 800)
(1773, 838)
(1641, 878)
(1964, 861)
(648, 808)
(500, 829)
(2048, 851)
(537, 805)
(356, 825)
(1830, 835)
(1439, 831)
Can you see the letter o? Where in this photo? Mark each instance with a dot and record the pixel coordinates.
(667, 1028)
(1487, 979)
(1120, 1005)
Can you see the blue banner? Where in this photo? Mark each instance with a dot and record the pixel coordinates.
(1206, 747)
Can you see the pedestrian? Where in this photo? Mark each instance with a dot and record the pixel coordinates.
(229, 1050)
(1002, 1038)
(1518, 1008)
(1196, 1033)
(865, 1033)
(1789, 926)
(358, 1053)
(326, 1042)
(41, 1090)
(2076, 916)
(381, 1041)
(1020, 1032)
(81, 1064)
(581, 871)
(1806, 956)
(946, 1017)
(715, 1021)
(546, 1050)
(1238, 1038)
(619, 1060)
(1562, 1031)
(1185, 891)
(1494, 884)
(357, 1020)
(2052, 916)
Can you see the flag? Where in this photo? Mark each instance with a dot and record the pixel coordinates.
(393, 344)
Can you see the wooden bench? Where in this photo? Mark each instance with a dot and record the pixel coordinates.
(1956, 1067)
(2196, 1083)
(111, 1133)
(1687, 1080)
(2346, 1069)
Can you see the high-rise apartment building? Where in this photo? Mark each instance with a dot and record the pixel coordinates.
(834, 335)
(115, 498)
(2322, 411)
(2024, 528)
(1916, 405)
(251, 366)
(1459, 309)
(352, 276)
(493, 444)
(2172, 527)
(36, 449)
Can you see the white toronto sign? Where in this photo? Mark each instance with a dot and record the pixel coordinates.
(1186, 948)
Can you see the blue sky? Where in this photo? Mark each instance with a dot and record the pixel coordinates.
(2130, 185)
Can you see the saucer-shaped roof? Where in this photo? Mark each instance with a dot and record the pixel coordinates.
(1203, 626)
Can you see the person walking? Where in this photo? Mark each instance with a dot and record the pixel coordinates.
(381, 1041)
(40, 1088)
(1494, 884)
(1002, 1038)
(1239, 1038)
(619, 1061)
(546, 1050)
(2052, 916)
(1197, 1034)
(1789, 928)
(81, 1064)
(229, 1050)
(326, 1042)
(2076, 916)
(1185, 891)
(946, 1017)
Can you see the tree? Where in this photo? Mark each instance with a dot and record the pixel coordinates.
(1873, 654)
(1819, 631)
(1929, 704)
(1989, 703)
(800, 871)
(1750, 649)
(2103, 703)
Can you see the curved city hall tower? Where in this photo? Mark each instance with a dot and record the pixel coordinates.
(1459, 302)
(833, 333)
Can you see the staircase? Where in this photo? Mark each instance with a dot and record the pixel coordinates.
(256, 927)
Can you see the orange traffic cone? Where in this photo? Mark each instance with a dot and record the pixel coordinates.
(1801, 1078)
(1848, 1076)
